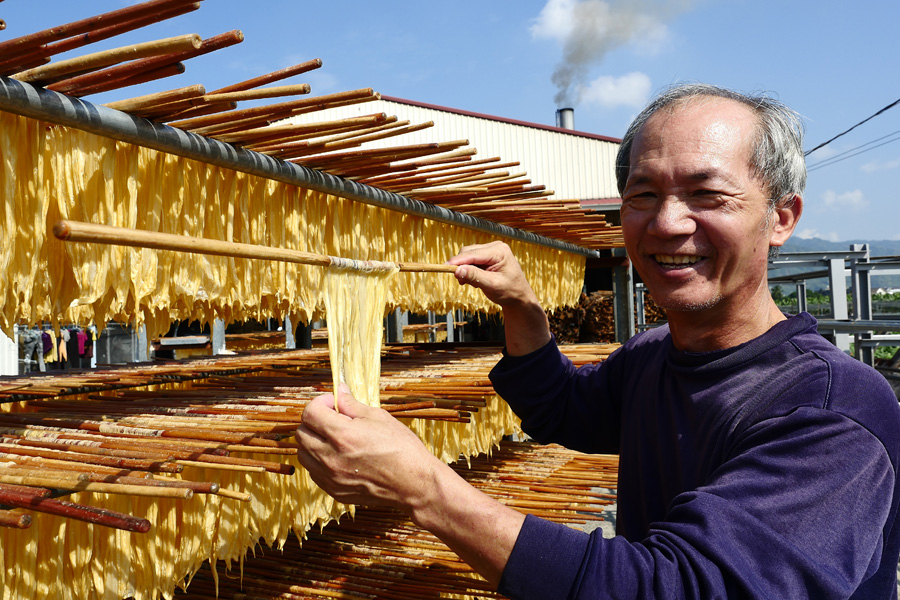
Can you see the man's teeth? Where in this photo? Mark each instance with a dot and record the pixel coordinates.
(681, 259)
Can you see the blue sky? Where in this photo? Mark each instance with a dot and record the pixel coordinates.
(834, 62)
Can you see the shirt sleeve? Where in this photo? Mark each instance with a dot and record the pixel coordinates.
(797, 512)
(558, 403)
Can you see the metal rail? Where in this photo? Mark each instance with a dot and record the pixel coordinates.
(38, 103)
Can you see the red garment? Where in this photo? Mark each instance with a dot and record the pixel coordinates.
(82, 340)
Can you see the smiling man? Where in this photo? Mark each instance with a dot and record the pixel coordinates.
(756, 459)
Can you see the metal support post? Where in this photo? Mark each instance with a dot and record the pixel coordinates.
(802, 304)
(218, 337)
(290, 342)
(143, 344)
(395, 323)
(861, 287)
(451, 330)
(837, 282)
(623, 294)
(639, 291)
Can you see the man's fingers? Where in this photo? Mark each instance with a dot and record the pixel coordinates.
(350, 407)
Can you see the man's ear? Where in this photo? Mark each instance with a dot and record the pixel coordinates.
(785, 217)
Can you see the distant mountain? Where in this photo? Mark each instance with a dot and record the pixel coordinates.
(877, 249)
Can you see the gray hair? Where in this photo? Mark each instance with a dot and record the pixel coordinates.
(777, 160)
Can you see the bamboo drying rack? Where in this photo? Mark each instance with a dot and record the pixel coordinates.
(75, 231)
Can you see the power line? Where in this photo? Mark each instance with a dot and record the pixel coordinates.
(853, 151)
(823, 144)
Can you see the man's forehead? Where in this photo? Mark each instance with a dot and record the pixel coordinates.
(704, 125)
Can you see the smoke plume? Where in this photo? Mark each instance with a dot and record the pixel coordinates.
(588, 30)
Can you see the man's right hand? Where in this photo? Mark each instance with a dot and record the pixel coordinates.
(494, 270)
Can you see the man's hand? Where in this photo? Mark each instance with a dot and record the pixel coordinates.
(362, 455)
(493, 269)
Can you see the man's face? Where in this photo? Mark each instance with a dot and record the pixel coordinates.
(693, 216)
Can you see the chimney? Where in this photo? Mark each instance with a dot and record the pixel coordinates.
(565, 118)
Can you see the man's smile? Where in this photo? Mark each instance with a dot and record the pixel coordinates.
(677, 261)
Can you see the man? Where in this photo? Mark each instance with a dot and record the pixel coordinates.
(756, 459)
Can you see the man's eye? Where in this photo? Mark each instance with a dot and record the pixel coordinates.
(704, 197)
(640, 201)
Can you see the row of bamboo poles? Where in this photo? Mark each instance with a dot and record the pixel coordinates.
(381, 555)
(444, 173)
(133, 430)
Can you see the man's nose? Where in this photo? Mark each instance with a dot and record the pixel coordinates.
(673, 217)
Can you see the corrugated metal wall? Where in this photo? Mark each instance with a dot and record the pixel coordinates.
(573, 165)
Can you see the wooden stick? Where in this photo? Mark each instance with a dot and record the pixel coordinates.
(16, 45)
(353, 140)
(90, 62)
(145, 76)
(259, 93)
(121, 236)
(158, 98)
(98, 81)
(9, 518)
(82, 482)
(204, 125)
(197, 111)
(338, 135)
(220, 100)
(96, 35)
(271, 77)
(79, 512)
(268, 133)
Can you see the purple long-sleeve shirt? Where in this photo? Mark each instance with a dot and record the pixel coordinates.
(768, 470)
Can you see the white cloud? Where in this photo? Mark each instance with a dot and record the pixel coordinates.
(887, 165)
(806, 234)
(852, 200)
(822, 153)
(555, 21)
(631, 90)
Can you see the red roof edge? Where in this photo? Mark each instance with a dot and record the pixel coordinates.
(467, 113)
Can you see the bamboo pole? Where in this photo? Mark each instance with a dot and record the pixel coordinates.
(11, 518)
(90, 62)
(274, 132)
(200, 124)
(108, 19)
(112, 30)
(111, 77)
(271, 77)
(158, 98)
(89, 232)
(221, 101)
(259, 93)
(304, 140)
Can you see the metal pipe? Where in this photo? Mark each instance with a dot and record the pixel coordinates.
(45, 105)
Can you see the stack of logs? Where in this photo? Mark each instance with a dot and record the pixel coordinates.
(592, 320)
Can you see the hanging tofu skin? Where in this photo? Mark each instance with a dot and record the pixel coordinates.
(355, 308)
